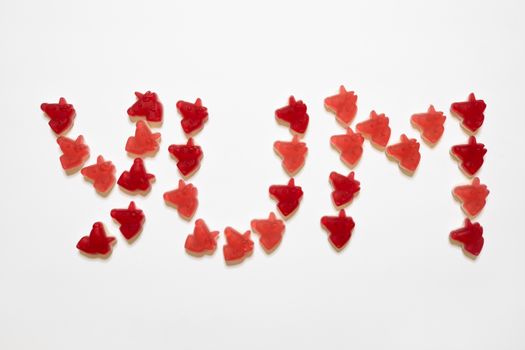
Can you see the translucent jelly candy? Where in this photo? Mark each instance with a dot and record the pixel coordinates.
(144, 142)
(147, 106)
(202, 241)
(194, 115)
(344, 105)
(350, 146)
(238, 246)
(470, 112)
(97, 243)
(102, 174)
(345, 188)
(61, 115)
(271, 231)
(131, 220)
(136, 180)
(287, 196)
(406, 153)
(470, 155)
(294, 114)
(74, 153)
(293, 154)
(430, 124)
(375, 129)
(339, 229)
(472, 197)
(184, 199)
(470, 236)
(188, 157)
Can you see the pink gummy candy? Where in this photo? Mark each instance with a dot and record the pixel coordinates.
(271, 231)
(430, 124)
(102, 174)
(344, 105)
(144, 142)
(74, 153)
(376, 129)
(472, 197)
(184, 199)
(238, 246)
(293, 154)
(349, 145)
(406, 153)
(202, 241)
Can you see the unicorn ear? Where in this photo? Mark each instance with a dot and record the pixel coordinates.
(138, 94)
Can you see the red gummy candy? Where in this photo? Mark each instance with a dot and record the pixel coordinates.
(97, 243)
(238, 246)
(344, 105)
(349, 145)
(473, 197)
(375, 129)
(345, 188)
(136, 180)
(287, 196)
(61, 115)
(294, 114)
(188, 157)
(293, 154)
(75, 153)
(147, 106)
(102, 174)
(184, 199)
(194, 115)
(202, 241)
(130, 220)
(406, 153)
(339, 228)
(470, 236)
(470, 155)
(470, 112)
(430, 124)
(271, 231)
(144, 142)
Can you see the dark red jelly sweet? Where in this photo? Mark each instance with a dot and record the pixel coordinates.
(406, 153)
(294, 115)
(349, 145)
(430, 124)
(147, 106)
(345, 188)
(238, 246)
(293, 154)
(61, 115)
(131, 220)
(202, 241)
(344, 105)
(339, 228)
(470, 236)
(136, 180)
(472, 197)
(102, 174)
(376, 129)
(194, 115)
(184, 199)
(470, 155)
(287, 196)
(74, 153)
(271, 231)
(188, 157)
(97, 243)
(470, 112)
(144, 142)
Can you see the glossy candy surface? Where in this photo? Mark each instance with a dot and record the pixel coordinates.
(97, 243)
(238, 246)
(430, 124)
(194, 115)
(406, 153)
(344, 105)
(470, 236)
(470, 112)
(202, 241)
(61, 115)
(287, 196)
(470, 155)
(144, 142)
(131, 220)
(375, 129)
(271, 231)
(293, 154)
(74, 152)
(184, 199)
(349, 145)
(472, 197)
(188, 157)
(294, 115)
(345, 188)
(136, 180)
(147, 106)
(102, 174)
(339, 228)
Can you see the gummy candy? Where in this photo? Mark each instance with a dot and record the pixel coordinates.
(350, 146)
(238, 246)
(131, 220)
(469, 155)
(294, 114)
(102, 174)
(375, 129)
(202, 241)
(293, 154)
(344, 105)
(61, 115)
(147, 106)
(75, 153)
(271, 231)
(339, 228)
(97, 243)
(473, 197)
(430, 124)
(194, 115)
(470, 112)
(345, 188)
(184, 199)
(136, 180)
(470, 236)
(144, 142)
(188, 157)
(287, 196)
(406, 153)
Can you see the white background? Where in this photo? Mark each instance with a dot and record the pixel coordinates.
(399, 284)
